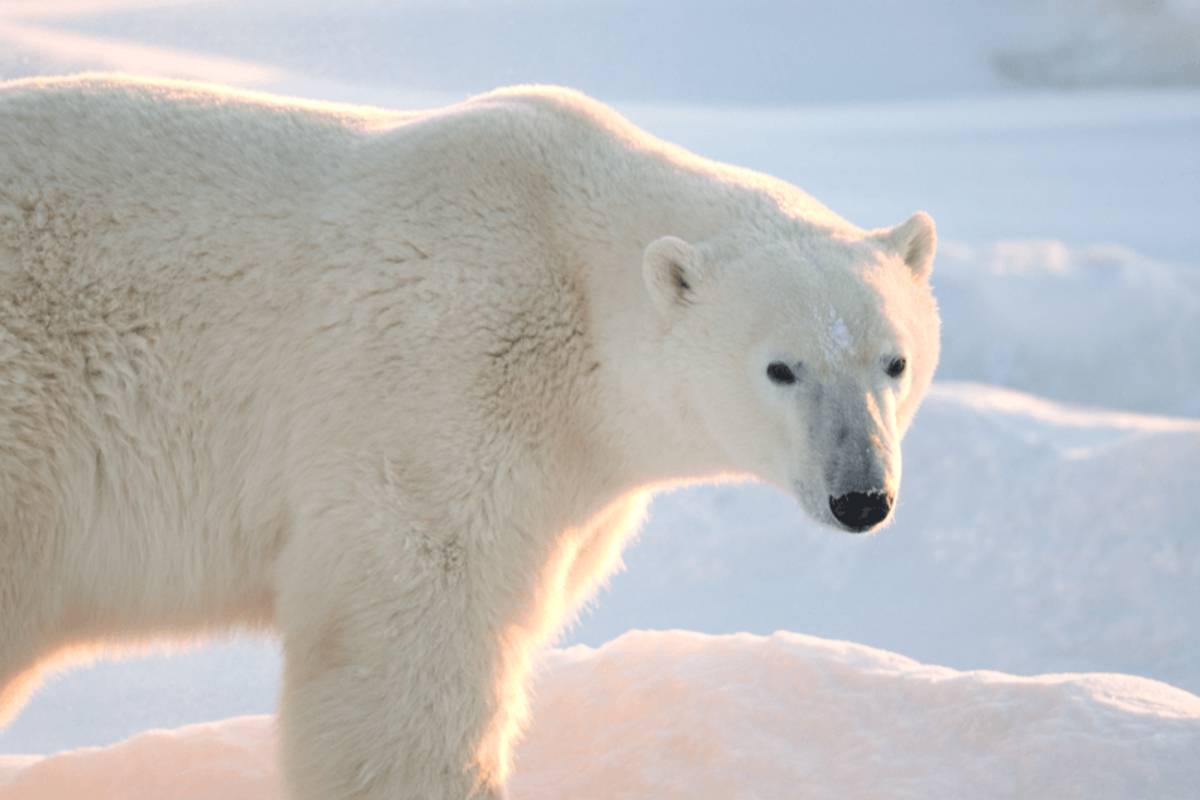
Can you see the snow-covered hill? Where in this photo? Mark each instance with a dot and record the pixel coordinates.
(677, 714)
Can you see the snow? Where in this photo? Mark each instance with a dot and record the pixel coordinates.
(835, 338)
(1030, 537)
(1086, 317)
(1087, 168)
(231, 759)
(1045, 523)
(781, 716)
(705, 52)
(1113, 42)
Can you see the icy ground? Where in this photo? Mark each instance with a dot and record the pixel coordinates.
(1046, 522)
(677, 714)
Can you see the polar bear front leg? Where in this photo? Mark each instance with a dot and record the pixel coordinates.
(395, 684)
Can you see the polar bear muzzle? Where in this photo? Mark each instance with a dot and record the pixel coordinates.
(861, 511)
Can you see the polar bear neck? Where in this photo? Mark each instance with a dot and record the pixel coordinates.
(611, 190)
(615, 189)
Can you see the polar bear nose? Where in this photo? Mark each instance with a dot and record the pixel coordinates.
(859, 511)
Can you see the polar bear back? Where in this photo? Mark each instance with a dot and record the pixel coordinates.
(192, 279)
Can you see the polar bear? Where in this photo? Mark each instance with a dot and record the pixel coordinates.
(399, 385)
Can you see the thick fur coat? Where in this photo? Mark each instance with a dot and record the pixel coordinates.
(399, 385)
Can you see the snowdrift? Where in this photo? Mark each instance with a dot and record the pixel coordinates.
(1030, 537)
(676, 714)
(1100, 326)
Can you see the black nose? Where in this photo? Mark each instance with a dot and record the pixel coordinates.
(861, 510)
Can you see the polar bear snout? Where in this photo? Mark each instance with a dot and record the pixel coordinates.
(861, 511)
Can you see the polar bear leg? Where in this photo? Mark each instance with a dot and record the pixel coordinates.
(394, 680)
(19, 675)
(30, 598)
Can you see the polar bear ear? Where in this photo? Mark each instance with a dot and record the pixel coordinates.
(915, 241)
(671, 270)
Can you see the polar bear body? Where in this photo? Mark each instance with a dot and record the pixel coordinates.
(398, 385)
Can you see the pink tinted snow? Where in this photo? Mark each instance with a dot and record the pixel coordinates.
(231, 760)
(678, 714)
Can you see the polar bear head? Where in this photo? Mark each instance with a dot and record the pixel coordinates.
(804, 358)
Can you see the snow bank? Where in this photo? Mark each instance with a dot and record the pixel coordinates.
(230, 760)
(1101, 326)
(1030, 537)
(677, 714)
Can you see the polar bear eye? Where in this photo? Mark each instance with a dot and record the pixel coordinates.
(780, 373)
(896, 367)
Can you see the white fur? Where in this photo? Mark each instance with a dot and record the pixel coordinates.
(399, 385)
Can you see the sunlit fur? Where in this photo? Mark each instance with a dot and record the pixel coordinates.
(398, 385)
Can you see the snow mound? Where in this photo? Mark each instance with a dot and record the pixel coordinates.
(1098, 325)
(1030, 537)
(231, 760)
(677, 714)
